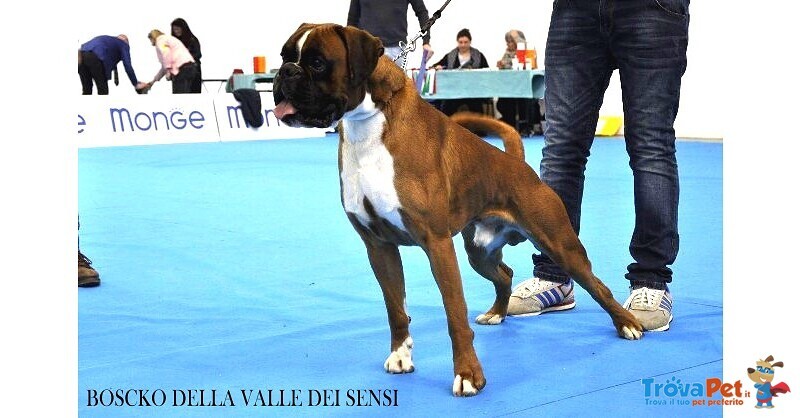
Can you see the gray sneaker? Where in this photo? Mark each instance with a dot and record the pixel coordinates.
(536, 296)
(652, 307)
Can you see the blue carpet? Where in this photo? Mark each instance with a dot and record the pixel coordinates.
(231, 267)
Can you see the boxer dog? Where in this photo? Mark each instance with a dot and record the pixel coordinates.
(409, 175)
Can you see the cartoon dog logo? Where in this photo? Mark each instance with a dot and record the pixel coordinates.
(762, 375)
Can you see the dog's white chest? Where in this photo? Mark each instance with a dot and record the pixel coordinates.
(368, 171)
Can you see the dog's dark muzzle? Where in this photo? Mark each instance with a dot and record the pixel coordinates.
(286, 81)
(299, 103)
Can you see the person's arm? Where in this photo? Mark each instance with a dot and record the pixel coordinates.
(159, 75)
(354, 14)
(442, 64)
(422, 15)
(505, 62)
(126, 62)
(484, 63)
(194, 49)
(501, 65)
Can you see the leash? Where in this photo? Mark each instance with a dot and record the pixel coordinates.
(423, 69)
(411, 45)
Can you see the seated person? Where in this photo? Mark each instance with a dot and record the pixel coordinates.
(462, 57)
(514, 111)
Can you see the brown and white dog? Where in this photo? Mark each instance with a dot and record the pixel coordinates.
(409, 175)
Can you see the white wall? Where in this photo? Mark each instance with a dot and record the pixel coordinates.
(231, 33)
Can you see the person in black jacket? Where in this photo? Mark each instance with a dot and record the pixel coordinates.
(463, 57)
(386, 19)
(180, 30)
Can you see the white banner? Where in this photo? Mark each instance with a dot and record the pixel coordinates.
(179, 118)
(143, 120)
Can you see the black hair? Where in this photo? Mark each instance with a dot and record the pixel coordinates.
(464, 32)
(186, 32)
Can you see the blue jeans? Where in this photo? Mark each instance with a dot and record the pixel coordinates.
(393, 52)
(646, 40)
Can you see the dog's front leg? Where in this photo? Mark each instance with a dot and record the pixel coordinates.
(469, 377)
(388, 268)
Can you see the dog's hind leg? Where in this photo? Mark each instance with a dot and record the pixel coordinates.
(388, 268)
(488, 262)
(544, 216)
(469, 378)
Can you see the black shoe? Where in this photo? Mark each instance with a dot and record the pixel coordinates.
(87, 276)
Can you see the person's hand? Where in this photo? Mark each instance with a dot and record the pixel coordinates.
(428, 48)
(500, 64)
(438, 67)
(142, 87)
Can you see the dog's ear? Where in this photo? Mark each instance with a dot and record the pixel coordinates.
(768, 359)
(777, 364)
(363, 51)
(305, 26)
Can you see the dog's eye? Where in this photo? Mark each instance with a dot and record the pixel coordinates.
(317, 64)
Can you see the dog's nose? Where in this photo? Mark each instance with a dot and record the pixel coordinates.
(289, 70)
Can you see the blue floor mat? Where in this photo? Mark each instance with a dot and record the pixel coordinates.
(232, 267)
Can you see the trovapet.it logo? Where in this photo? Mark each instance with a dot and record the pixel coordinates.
(674, 392)
(713, 392)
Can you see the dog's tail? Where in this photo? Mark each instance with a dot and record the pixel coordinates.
(481, 124)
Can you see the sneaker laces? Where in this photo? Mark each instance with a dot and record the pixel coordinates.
(533, 286)
(644, 298)
(527, 287)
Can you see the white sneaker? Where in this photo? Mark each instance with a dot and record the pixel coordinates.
(536, 296)
(652, 307)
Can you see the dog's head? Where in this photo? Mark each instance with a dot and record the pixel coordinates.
(324, 74)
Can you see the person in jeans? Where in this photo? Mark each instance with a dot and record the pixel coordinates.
(587, 40)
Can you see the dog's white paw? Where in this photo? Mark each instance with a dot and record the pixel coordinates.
(399, 361)
(631, 333)
(462, 387)
(489, 319)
